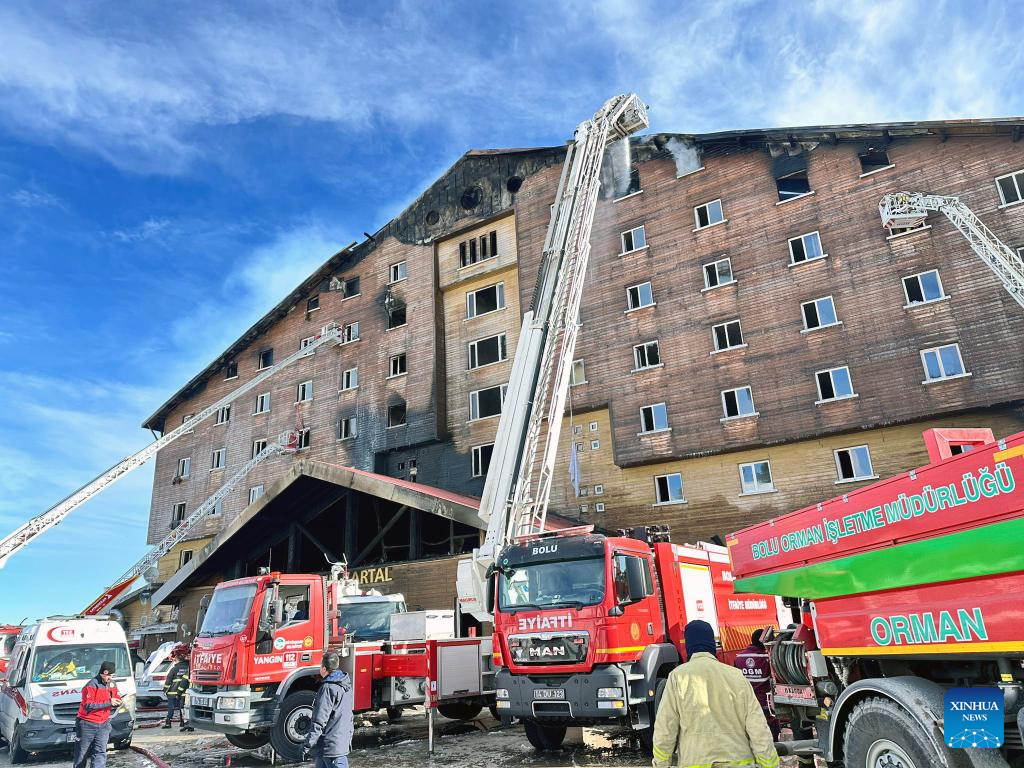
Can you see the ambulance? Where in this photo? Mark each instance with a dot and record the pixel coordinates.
(51, 662)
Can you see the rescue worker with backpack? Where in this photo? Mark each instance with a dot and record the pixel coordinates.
(752, 661)
(175, 686)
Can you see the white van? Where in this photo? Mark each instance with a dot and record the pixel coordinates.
(150, 683)
(52, 661)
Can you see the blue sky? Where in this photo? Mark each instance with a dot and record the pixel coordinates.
(168, 173)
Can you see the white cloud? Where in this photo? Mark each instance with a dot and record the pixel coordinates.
(28, 198)
(150, 229)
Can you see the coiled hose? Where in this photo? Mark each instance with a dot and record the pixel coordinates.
(788, 658)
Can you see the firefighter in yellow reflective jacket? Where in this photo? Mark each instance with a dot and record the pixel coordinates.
(709, 715)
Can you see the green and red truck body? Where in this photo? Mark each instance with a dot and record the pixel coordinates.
(901, 590)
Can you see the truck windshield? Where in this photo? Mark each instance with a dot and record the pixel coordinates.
(77, 662)
(367, 621)
(568, 582)
(229, 610)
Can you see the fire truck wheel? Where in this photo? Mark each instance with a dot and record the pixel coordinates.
(646, 735)
(395, 714)
(460, 710)
(293, 723)
(881, 733)
(545, 738)
(247, 740)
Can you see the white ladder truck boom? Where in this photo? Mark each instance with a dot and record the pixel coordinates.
(12, 543)
(515, 496)
(287, 442)
(908, 209)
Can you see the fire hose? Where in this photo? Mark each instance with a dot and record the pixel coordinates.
(788, 658)
(150, 756)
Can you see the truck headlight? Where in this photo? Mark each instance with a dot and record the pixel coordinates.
(38, 712)
(501, 693)
(609, 693)
(231, 703)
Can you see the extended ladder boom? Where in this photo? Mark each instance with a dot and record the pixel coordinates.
(516, 492)
(37, 525)
(908, 209)
(287, 443)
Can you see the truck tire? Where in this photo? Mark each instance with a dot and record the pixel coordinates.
(646, 735)
(395, 714)
(123, 743)
(18, 753)
(544, 738)
(460, 710)
(880, 732)
(292, 725)
(248, 740)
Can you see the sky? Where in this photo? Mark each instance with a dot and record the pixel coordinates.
(169, 171)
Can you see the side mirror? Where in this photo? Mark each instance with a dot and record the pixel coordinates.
(635, 579)
(278, 612)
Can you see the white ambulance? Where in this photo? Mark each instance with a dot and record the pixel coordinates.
(52, 661)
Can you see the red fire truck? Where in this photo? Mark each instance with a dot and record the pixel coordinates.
(587, 627)
(904, 589)
(256, 659)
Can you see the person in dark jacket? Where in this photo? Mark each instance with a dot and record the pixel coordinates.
(175, 686)
(99, 699)
(330, 734)
(752, 661)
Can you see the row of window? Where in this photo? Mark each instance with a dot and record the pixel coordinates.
(852, 464)
(939, 363)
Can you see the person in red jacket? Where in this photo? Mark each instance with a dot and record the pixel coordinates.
(753, 663)
(99, 699)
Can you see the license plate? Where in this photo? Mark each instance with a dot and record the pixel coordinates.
(549, 693)
(202, 701)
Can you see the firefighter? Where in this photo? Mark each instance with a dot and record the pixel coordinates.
(99, 699)
(175, 686)
(753, 663)
(708, 713)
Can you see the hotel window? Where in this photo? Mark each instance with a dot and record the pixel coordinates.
(1011, 187)
(923, 288)
(718, 273)
(482, 459)
(396, 272)
(231, 370)
(942, 363)
(303, 343)
(756, 477)
(218, 458)
(313, 303)
(184, 468)
(350, 333)
(396, 366)
(709, 214)
(738, 402)
(819, 313)
(805, 248)
(262, 403)
(484, 403)
(873, 160)
(347, 428)
(266, 358)
(638, 296)
(304, 391)
(397, 414)
(793, 185)
(303, 439)
(646, 355)
(223, 415)
(350, 288)
(853, 464)
(485, 300)
(653, 418)
(258, 446)
(578, 375)
(633, 239)
(727, 335)
(255, 492)
(487, 351)
(477, 249)
(349, 379)
(177, 514)
(668, 489)
(834, 384)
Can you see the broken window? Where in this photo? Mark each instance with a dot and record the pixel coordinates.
(727, 335)
(708, 214)
(396, 272)
(834, 384)
(218, 458)
(854, 464)
(313, 303)
(350, 287)
(485, 300)
(923, 288)
(653, 418)
(1011, 187)
(647, 355)
(262, 403)
(223, 415)
(184, 558)
(638, 296)
(819, 313)
(484, 403)
(633, 239)
(793, 185)
(255, 492)
(477, 249)
(486, 351)
(397, 365)
(482, 459)
(805, 248)
(738, 402)
(872, 160)
(266, 358)
(347, 428)
(178, 514)
(303, 439)
(349, 379)
(304, 391)
(668, 489)
(396, 316)
(231, 370)
(350, 333)
(718, 273)
(396, 414)
(184, 468)
(258, 447)
(578, 375)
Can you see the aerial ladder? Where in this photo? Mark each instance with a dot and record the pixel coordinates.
(287, 443)
(330, 334)
(909, 209)
(518, 485)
